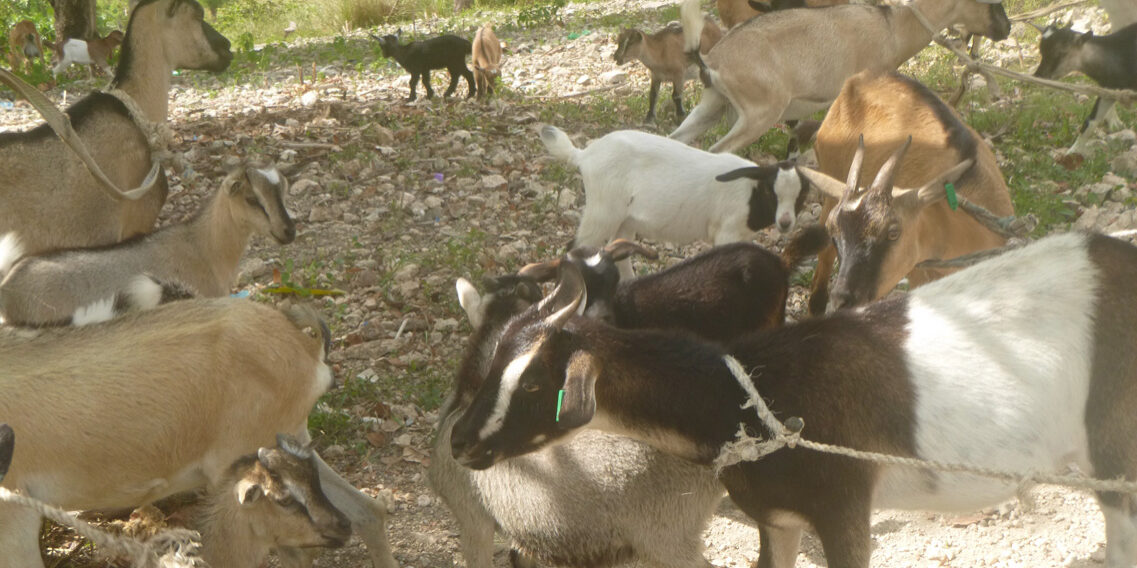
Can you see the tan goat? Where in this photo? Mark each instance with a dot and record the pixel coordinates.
(23, 44)
(486, 59)
(48, 197)
(126, 412)
(791, 63)
(662, 53)
(882, 235)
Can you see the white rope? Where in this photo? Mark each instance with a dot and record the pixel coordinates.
(171, 548)
(747, 448)
(159, 135)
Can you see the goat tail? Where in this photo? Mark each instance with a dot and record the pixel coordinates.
(303, 316)
(805, 243)
(10, 251)
(692, 18)
(558, 144)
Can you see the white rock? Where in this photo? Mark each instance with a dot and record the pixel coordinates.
(613, 77)
(304, 185)
(493, 181)
(309, 98)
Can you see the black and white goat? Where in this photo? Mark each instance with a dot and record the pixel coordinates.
(637, 183)
(419, 57)
(1109, 60)
(1022, 363)
(719, 294)
(598, 500)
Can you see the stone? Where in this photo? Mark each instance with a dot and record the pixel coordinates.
(319, 214)
(493, 181)
(304, 185)
(407, 273)
(613, 77)
(309, 98)
(1125, 164)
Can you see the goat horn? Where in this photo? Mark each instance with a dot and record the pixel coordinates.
(825, 184)
(883, 181)
(620, 249)
(540, 271)
(854, 180)
(567, 299)
(1037, 27)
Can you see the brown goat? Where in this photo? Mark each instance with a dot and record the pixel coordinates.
(486, 59)
(23, 44)
(882, 236)
(662, 53)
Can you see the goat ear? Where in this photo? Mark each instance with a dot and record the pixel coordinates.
(760, 6)
(7, 448)
(579, 403)
(827, 185)
(540, 271)
(567, 299)
(752, 172)
(620, 249)
(249, 488)
(470, 301)
(933, 191)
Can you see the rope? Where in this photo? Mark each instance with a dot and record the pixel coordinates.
(171, 548)
(159, 135)
(747, 448)
(1045, 11)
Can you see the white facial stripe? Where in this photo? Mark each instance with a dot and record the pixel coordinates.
(787, 187)
(271, 175)
(510, 380)
(1049, 32)
(594, 259)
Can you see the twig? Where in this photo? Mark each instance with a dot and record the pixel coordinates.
(1045, 11)
(578, 93)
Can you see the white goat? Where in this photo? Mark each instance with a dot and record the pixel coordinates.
(1021, 363)
(84, 285)
(771, 68)
(130, 411)
(642, 184)
(47, 196)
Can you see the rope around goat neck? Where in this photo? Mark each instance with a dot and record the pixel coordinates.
(171, 548)
(748, 448)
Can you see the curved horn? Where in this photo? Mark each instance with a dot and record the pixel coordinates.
(852, 183)
(620, 249)
(567, 298)
(540, 271)
(1037, 27)
(883, 181)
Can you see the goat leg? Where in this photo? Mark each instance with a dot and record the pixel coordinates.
(453, 86)
(778, 546)
(677, 98)
(652, 95)
(414, 83)
(426, 84)
(470, 79)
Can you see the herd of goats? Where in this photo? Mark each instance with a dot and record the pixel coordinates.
(583, 424)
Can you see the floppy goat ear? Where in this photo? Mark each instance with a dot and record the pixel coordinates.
(470, 300)
(7, 448)
(620, 249)
(934, 190)
(579, 405)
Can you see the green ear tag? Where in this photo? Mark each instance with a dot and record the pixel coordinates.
(560, 399)
(952, 200)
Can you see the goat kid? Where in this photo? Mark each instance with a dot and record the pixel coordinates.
(24, 44)
(883, 232)
(1041, 375)
(1108, 60)
(419, 57)
(597, 500)
(192, 385)
(662, 53)
(48, 197)
(486, 59)
(642, 184)
(766, 85)
(96, 52)
(83, 286)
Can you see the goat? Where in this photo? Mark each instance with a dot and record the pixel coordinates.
(190, 386)
(1108, 60)
(419, 57)
(486, 59)
(265, 500)
(80, 286)
(47, 196)
(24, 44)
(719, 294)
(639, 183)
(765, 85)
(882, 234)
(95, 52)
(662, 53)
(1022, 363)
(1121, 13)
(598, 500)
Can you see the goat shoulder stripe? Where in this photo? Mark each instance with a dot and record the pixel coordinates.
(999, 359)
(10, 251)
(510, 380)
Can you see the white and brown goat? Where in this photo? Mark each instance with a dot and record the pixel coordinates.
(94, 53)
(127, 412)
(765, 85)
(1022, 363)
(662, 53)
(47, 196)
(24, 44)
(81, 286)
(883, 232)
(599, 500)
(637, 183)
(486, 59)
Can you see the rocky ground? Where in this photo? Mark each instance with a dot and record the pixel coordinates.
(395, 200)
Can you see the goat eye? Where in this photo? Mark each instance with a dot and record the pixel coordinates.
(287, 501)
(531, 387)
(893, 233)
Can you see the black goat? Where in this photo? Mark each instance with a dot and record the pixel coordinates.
(419, 57)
